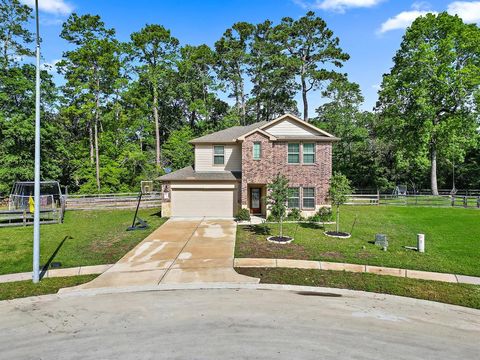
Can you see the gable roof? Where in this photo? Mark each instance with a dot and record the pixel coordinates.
(227, 135)
(235, 133)
(296, 119)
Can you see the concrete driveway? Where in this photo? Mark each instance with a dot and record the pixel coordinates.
(237, 324)
(180, 251)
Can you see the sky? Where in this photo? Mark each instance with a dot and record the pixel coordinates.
(370, 31)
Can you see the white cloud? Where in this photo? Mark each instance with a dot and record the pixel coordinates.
(57, 7)
(337, 5)
(50, 66)
(469, 11)
(402, 20)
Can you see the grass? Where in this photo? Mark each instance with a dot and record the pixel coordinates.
(85, 238)
(456, 294)
(19, 289)
(452, 239)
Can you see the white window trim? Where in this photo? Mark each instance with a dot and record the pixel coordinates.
(260, 150)
(309, 197)
(314, 153)
(299, 153)
(294, 197)
(218, 155)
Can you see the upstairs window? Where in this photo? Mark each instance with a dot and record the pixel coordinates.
(257, 150)
(294, 198)
(308, 201)
(309, 153)
(219, 155)
(294, 153)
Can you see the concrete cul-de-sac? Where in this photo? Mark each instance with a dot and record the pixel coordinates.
(180, 251)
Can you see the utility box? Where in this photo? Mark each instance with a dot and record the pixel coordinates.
(381, 240)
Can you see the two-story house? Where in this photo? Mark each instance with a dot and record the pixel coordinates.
(233, 167)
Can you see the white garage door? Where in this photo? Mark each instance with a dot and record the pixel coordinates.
(204, 202)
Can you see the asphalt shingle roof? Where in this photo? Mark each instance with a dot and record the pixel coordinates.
(227, 135)
(189, 174)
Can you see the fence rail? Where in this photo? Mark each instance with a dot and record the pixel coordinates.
(112, 201)
(415, 200)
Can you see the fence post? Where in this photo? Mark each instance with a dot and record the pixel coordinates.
(478, 202)
(465, 201)
(453, 200)
(378, 197)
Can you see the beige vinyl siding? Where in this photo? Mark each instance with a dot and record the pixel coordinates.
(204, 158)
(289, 127)
(206, 201)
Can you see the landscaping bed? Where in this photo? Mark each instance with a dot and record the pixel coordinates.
(452, 239)
(85, 238)
(456, 294)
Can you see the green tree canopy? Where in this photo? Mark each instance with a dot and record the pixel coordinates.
(428, 103)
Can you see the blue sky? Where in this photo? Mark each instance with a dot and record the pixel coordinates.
(369, 30)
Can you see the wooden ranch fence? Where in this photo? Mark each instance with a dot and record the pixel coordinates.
(112, 201)
(415, 200)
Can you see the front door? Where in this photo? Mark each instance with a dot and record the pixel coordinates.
(255, 194)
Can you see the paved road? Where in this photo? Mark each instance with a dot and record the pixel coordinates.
(236, 324)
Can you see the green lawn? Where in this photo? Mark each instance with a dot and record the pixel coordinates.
(19, 289)
(85, 238)
(457, 294)
(452, 239)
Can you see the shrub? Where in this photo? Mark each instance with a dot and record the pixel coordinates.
(295, 215)
(323, 214)
(243, 215)
(271, 218)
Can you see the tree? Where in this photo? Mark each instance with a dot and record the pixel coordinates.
(14, 36)
(197, 87)
(273, 82)
(356, 154)
(91, 70)
(177, 151)
(312, 51)
(277, 196)
(232, 61)
(429, 100)
(337, 193)
(156, 50)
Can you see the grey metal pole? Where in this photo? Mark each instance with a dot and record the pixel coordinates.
(36, 215)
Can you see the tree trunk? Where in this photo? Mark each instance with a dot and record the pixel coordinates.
(305, 100)
(337, 225)
(90, 138)
(433, 174)
(242, 102)
(97, 160)
(281, 226)
(157, 125)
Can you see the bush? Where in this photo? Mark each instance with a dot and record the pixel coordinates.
(243, 215)
(323, 214)
(294, 215)
(271, 218)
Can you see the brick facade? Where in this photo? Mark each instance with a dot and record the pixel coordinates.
(274, 160)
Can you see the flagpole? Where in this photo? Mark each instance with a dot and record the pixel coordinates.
(36, 215)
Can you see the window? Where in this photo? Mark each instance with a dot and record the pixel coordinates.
(219, 155)
(257, 150)
(309, 153)
(294, 153)
(308, 198)
(294, 198)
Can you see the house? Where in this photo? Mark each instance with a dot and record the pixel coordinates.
(233, 167)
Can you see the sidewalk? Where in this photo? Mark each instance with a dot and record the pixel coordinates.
(275, 263)
(378, 270)
(81, 270)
